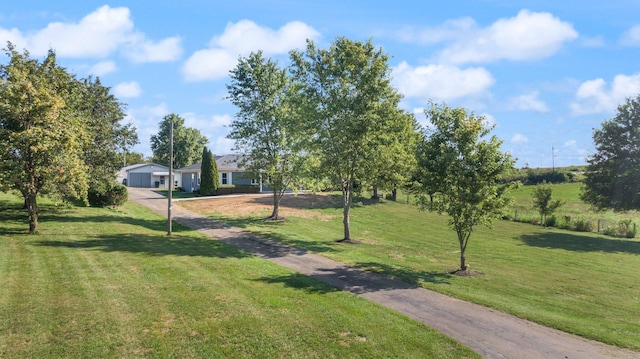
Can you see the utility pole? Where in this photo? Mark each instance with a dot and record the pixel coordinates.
(170, 177)
(553, 159)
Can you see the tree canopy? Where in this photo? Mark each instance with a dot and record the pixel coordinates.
(59, 136)
(42, 138)
(187, 143)
(352, 111)
(461, 170)
(612, 179)
(543, 202)
(268, 127)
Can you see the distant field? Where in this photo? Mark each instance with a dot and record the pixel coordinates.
(99, 283)
(582, 283)
(573, 207)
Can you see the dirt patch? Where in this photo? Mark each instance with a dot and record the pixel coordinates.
(300, 205)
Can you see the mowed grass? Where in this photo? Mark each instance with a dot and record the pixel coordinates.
(581, 283)
(99, 283)
(572, 206)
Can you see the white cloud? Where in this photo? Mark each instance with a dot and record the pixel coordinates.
(597, 41)
(127, 89)
(528, 35)
(594, 96)
(528, 101)
(571, 143)
(169, 49)
(103, 68)
(631, 37)
(97, 35)
(441, 82)
(221, 145)
(206, 124)
(147, 122)
(519, 138)
(240, 39)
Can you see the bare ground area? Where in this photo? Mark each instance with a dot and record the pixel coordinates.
(262, 205)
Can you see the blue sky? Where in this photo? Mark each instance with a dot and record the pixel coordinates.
(546, 73)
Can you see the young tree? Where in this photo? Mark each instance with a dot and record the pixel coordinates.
(208, 173)
(41, 137)
(542, 201)
(462, 170)
(352, 107)
(267, 127)
(187, 143)
(612, 179)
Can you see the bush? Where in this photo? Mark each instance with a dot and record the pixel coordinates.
(583, 225)
(625, 229)
(112, 194)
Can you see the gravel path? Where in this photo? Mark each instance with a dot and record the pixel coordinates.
(491, 333)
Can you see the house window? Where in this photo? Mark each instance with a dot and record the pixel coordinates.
(254, 181)
(161, 179)
(224, 178)
(198, 178)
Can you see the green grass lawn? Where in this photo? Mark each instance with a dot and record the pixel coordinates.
(100, 283)
(582, 283)
(569, 194)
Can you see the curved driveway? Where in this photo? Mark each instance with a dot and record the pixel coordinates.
(491, 333)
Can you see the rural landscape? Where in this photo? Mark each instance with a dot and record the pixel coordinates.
(336, 212)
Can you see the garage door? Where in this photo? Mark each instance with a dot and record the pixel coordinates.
(140, 180)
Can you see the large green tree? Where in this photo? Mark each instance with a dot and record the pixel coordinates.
(208, 173)
(352, 109)
(461, 170)
(42, 136)
(612, 179)
(109, 138)
(267, 129)
(187, 143)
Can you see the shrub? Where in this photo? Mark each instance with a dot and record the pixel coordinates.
(111, 194)
(583, 225)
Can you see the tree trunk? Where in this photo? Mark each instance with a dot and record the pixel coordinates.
(32, 209)
(276, 204)
(346, 196)
(345, 221)
(463, 261)
(394, 194)
(375, 193)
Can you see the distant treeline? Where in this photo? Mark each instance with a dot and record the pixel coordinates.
(531, 176)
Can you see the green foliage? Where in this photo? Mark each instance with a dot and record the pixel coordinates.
(187, 143)
(42, 134)
(460, 171)
(208, 173)
(543, 203)
(352, 110)
(110, 195)
(268, 129)
(613, 176)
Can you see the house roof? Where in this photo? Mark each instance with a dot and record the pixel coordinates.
(225, 163)
(132, 167)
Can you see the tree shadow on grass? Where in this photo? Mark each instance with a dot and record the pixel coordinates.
(300, 281)
(580, 243)
(15, 219)
(410, 276)
(152, 245)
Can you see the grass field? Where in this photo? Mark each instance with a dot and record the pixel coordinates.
(572, 207)
(582, 283)
(99, 283)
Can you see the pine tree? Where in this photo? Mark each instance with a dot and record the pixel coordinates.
(207, 181)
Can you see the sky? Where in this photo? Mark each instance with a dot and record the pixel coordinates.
(545, 73)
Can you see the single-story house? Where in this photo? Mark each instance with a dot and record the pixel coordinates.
(229, 173)
(147, 175)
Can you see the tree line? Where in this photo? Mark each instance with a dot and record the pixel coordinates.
(330, 119)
